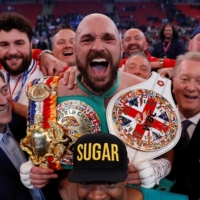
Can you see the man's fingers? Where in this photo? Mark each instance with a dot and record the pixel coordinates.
(42, 177)
(133, 176)
(39, 185)
(134, 181)
(66, 76)
(50, 71)
(131, 168)
(72, 78)
(44, 71)
(61, 74)
(145, 173)
(40, 170)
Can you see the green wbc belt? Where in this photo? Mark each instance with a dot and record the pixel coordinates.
(78, 115)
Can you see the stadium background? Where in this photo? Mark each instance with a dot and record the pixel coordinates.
(149, 16)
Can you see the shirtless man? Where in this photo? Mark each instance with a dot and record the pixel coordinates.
(98, 51)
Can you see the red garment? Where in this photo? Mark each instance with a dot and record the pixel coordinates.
(167, 63)
(36, 53)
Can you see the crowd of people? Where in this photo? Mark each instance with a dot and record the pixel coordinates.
(46, 25)
(90, 64)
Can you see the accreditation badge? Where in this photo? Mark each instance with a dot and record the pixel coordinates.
(145, 117)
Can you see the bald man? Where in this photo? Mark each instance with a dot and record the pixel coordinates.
(98, 50)
(133, 41)
(138, 64)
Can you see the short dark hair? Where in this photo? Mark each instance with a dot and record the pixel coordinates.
(174, 31)
(63, 26)
(9, 21)
(139, 53)
(2, 76)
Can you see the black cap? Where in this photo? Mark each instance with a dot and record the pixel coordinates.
(99, 157)
(196, 31)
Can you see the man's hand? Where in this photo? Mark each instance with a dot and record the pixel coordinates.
(166, 72)
(51, 66)
(146, 174)
(35, 177)
(152, 171)
(133, 175)
(69, 77)
(41, 176)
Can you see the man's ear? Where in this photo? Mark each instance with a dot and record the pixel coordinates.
(146, 45)
(121, 48)
(74, 47)
(189, 45)
(173, 85)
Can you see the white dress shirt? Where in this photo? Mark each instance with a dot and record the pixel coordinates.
(12, 149)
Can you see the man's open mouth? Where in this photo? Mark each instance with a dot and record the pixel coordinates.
(190, 97)
(99, 65)
(3, 111)
(68, 53)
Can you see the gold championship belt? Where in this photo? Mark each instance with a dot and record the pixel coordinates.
(145, 117)
(45, 141)
(54, 124)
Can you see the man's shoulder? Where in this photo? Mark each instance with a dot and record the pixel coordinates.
(127, 80)
(160, 42)
(18, 126)
(134, 193)
(63, 90)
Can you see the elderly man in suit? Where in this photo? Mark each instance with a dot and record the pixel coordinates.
(186, 166)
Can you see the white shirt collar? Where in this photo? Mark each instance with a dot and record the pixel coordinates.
(193, 119)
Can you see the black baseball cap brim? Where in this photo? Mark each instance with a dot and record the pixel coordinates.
(88, 176)
(196, 31)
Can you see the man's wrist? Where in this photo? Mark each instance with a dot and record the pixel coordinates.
(161, 60)
(45, 51)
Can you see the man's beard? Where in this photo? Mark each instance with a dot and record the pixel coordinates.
(98, 84)
(139, 49)
(168, 37)
(26, 61)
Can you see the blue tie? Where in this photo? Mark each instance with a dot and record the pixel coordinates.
(13, 151)
(17, 157)
(184, 134)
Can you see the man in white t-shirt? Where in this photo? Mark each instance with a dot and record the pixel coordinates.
(16, 58)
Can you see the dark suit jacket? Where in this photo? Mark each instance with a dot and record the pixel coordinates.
(186, 168)
(18, 128)
(175, 49)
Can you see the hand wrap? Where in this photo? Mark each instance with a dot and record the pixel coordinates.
(152, 171)
(25, 170)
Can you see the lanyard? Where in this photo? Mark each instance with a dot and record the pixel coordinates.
(24, 78)
(167, 47)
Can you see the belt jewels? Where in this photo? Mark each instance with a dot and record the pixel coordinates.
(45, 138)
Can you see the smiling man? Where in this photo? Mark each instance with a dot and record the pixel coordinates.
(98, 52)
(138, 64)
(103, 174)
(11, 155)
(169, 45)
(63, 45)
(187, 152)
(134, 41)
